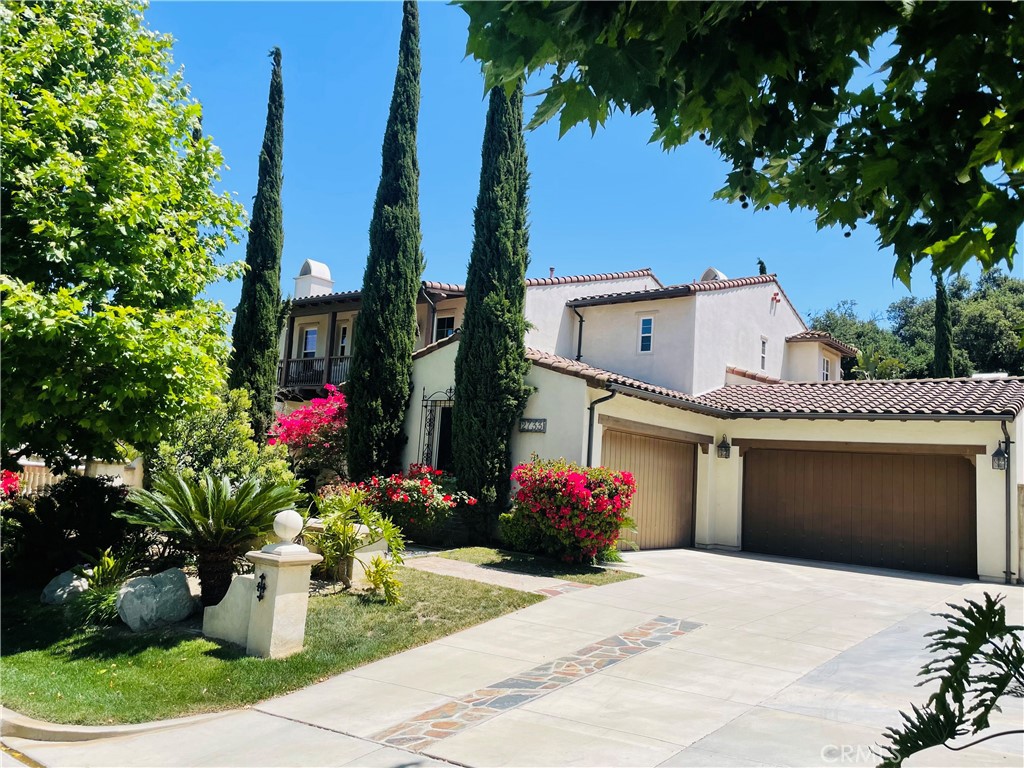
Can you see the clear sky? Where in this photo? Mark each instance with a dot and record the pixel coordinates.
(605, 203)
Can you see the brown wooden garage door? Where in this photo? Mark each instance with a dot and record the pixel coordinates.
(664, 473)
(911, 512)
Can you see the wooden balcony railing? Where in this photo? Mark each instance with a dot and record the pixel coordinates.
(312, 372)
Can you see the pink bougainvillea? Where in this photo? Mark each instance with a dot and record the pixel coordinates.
(315, 434)
(10, 484)
(419, 501)
(579, 511)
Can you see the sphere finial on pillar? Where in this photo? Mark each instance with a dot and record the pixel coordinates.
(287, 525)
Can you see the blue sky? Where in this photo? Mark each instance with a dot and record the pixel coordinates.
(605, 203)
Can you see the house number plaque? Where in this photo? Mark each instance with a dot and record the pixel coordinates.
(533, 425)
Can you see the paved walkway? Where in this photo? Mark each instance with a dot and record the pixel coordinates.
(711, 660)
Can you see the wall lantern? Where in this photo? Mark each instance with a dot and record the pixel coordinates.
(1000, 459)
(724, 449)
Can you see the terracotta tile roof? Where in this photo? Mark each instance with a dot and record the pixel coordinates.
(423, 351)
(326, 298)
(826, 338)
(764, 378)
(431, 285)
(910, 397)
(568, 279)
(671, 291)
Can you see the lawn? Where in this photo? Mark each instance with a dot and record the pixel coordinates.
(537, 566)
(112, 675)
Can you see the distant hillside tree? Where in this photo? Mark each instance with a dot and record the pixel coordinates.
(942, 362)
(385, 329)
(491, 365)
(867, 335)
(257, 327)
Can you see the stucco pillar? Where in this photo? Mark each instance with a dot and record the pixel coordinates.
(277, 621)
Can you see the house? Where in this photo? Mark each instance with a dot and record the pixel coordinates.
(733, 417)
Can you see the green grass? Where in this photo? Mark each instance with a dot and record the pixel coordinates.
(537, 566)
(102, 676)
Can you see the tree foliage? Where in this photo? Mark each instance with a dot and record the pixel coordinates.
(491, 364)
(110, 229)
(931, 155)
(942, 360)
(985, 319)
(385, 331)
(258, 322)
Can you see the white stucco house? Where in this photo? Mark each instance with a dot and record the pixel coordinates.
(732, 415)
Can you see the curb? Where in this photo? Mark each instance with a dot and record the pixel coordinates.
(14, 725)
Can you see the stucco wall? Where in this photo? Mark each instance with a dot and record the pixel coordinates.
(802, 361)
(553, 325)
(728, 327)
(611, 340)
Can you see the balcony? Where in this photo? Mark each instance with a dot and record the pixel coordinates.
(313, 372)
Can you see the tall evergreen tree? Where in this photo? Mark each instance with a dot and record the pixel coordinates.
(942, 363)
(491, 364)
(258, 324)
(385, 329)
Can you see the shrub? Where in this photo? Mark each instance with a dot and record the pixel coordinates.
(220, 440)
(577, 511)
(316, 435)
(97, 606)
(47, 535)
(350, 522)
(519, 534)
(421, 502)
(10, 484)
(213, 519)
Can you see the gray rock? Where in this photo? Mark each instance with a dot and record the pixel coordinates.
(147, 602)
(63, 587)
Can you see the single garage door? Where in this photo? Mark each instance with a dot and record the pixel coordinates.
(664, 473)
(907, 511)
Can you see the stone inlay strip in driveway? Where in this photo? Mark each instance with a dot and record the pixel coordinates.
(481, 705)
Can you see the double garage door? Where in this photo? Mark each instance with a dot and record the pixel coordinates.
(664, 470)
(912, 512)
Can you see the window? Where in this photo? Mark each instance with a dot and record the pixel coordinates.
(445, 327)
(764, 353)
(646, 334)
(826, 369)
(309, 342)
(342, 336)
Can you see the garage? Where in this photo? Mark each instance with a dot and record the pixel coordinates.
(902, 507)
(664, 469)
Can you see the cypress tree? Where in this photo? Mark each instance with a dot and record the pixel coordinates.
(254, 339)
(942, 364)
(491, 364)
(385, 329)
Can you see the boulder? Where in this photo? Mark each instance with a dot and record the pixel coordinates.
(63, 587)
(147, 602)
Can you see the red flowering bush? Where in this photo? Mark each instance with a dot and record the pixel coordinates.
(315, 434)
(420, 502)
(576, 512)
(10, 484)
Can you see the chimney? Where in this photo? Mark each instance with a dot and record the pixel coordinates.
(551, 272)
(314, 279)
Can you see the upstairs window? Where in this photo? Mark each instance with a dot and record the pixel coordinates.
(826, 369)
(646, 334)
(764, 353)
(309, 342)
(444, 327)
(342, 336)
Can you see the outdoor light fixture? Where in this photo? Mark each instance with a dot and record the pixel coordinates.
(724, 449)
(1000, 459)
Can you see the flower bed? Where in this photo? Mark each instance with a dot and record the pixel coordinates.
(572, 512)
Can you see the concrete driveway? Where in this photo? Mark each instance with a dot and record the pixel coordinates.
(711, 660)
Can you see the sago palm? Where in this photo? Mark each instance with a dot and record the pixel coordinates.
(209, 517)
